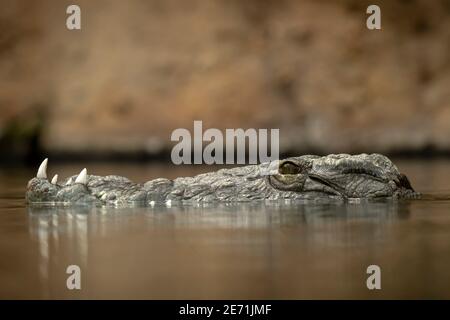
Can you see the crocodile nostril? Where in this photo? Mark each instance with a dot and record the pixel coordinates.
(404, 182)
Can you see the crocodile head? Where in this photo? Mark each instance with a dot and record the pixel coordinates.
(343, 176)
(359, 176)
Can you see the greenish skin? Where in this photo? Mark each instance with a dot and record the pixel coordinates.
(308, 177)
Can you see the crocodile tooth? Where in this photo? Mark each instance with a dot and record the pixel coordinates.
(69, 182)
(82, 177)
(55, 179)
(42, 171)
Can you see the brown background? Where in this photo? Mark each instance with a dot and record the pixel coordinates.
(140, 69)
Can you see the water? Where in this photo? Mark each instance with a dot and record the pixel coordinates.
(241, 251)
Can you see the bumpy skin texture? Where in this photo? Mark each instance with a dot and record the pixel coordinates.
(340, 176)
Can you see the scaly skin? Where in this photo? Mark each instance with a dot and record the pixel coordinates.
(339, 176)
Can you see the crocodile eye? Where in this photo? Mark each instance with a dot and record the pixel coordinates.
(289, 168)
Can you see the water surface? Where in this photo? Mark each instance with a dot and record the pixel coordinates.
(243, 251)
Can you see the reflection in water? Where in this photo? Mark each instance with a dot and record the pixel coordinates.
(73, 219)
(65, 233)
(249, 250)
(48, 226)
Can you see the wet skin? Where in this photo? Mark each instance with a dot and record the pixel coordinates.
(339, 177)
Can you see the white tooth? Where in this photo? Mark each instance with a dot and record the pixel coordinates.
(55, 179)
(42, 171)
(69, 182)
(82, 177)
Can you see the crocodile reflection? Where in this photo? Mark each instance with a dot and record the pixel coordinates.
(220, 214)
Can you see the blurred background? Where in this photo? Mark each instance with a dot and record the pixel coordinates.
(115, 90)
(137, 70)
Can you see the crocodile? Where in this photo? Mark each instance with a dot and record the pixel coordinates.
(307, 177)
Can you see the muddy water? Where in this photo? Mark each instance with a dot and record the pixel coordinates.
(276, 250)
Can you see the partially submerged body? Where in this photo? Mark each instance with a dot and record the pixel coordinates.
(339, 176)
